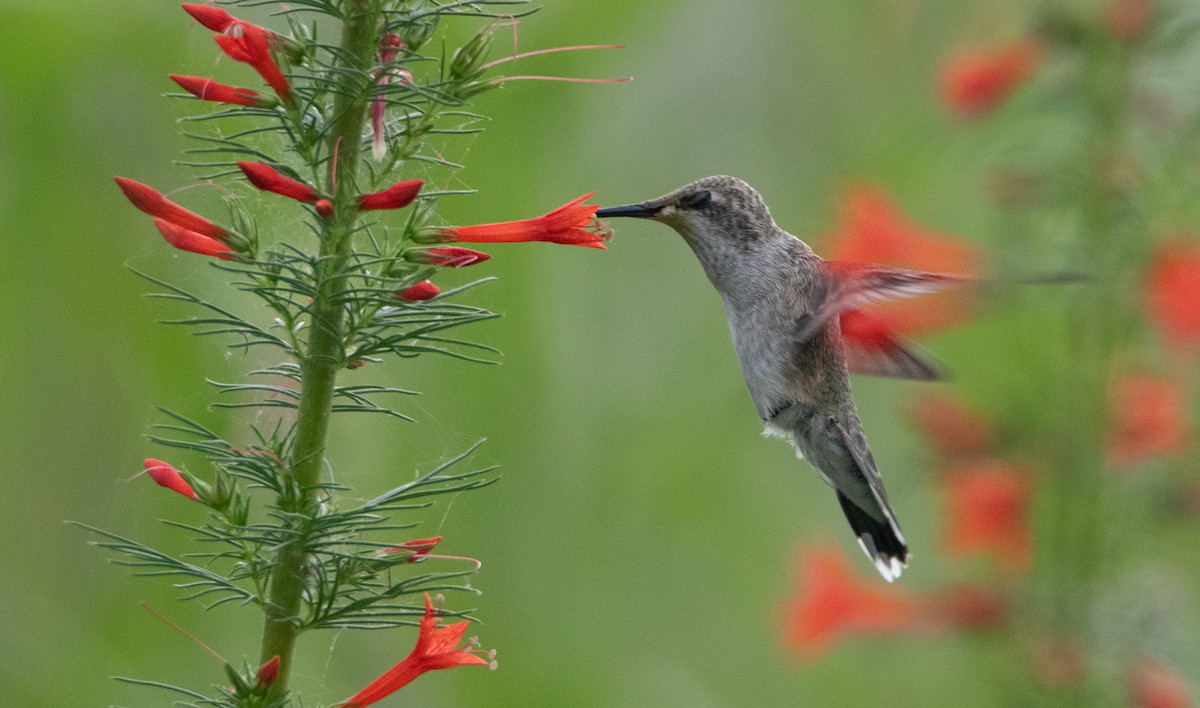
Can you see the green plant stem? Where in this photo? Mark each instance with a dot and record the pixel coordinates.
(325, 353)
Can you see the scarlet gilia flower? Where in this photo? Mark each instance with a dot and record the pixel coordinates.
(152, 202)
(975, 80)
(872, 229)
(209, 90)
(167, 476)
(573, 223)
(423, 290)
(1172, 293)
(1148, 420)
(833, 603)
(436, 649)
(269, 179)
(191, 241)
(397, 196)
(1128, 19)
(1153, 685)
(447, 256)
(324, 208)
(214, 18)
(251, 45)
(268, 673)
(954, 431)
(988, 512)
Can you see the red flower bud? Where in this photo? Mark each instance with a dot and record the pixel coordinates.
(193, 242)
(268, 672)
(324, 208)
(421, 291)
(209, 90)
(211, 17)
(167, 476)
(269, 179)
(400, 194)
(447, 256)
(152, 202)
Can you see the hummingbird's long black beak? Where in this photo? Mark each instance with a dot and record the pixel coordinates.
(637, 211)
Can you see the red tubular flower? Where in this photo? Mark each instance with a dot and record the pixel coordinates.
(1148, 420)
(251, 44)
(436, 649)
(423, 290)
(974, 81)
(211, 17)
(1172, 293)
(209, 90)
(573, 223)
(269, 179)
(833, 603)
(193, 242)
(399, 195)
(447, 256)
(988, 512)
(1152, 685)
(954, 431)
(167, 476)
(152, 202)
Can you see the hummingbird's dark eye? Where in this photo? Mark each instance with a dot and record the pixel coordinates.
(695, 200)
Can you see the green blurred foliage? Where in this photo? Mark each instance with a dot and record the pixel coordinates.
(643, 536)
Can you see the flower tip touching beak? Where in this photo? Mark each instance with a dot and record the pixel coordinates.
(637, 211)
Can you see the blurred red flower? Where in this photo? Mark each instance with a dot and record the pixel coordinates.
(987, 512)
(1148, 415)
(874, 230)
(1128, 19)
(969, 605)
(573, 223)
(975, 80)
(1172, 292)
(1152, 685)
(954, 431)
(437, 648)
(833, 603)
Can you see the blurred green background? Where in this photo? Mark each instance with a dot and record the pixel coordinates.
(641, 541)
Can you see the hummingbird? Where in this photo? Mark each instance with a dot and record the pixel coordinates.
(782, 301)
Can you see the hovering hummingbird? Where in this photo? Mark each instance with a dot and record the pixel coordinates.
(783, 302)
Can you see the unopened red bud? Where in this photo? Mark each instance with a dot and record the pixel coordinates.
(209, 90)
(152, 202)
(269, 179)
(421, 291)
(268, 672)
(167, 476)
(324, 208)
(192, 242)
(400, 194)
(211, 17)
(447, 256)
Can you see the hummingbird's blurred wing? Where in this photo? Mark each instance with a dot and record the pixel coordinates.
(850, 286)
(873, 348)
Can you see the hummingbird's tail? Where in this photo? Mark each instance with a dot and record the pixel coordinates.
(880, 540)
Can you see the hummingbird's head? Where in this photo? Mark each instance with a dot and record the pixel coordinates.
(713, 211)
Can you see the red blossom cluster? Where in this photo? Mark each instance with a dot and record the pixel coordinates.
(976, 80)
(244, 42)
